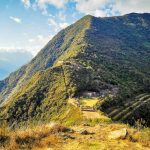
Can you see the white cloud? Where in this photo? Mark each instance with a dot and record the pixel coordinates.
(32, 45)
(111, 7)
(128, 6)
(15, 19)
(42, 4)
(10, 49)
(62, 16)
(56, 3)
(31, 40)
(4, 59)
(37, 43)
(99, 13)
(87, 6)
(57, 26)
(63, 25)
(40, 39)
(53, 24)
(33, 50)
(93, 7)
(26, 3)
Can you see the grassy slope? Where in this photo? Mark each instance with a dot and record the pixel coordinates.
(40, 99)
(44, 96)
(71, 37)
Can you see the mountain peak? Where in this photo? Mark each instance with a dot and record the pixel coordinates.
(105, 56)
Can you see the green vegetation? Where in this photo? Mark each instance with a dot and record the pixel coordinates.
(94, 54)
(73, 116)
(132, 111)
(41, 99)
(89, 101)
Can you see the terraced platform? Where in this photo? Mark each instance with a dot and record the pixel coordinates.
(128, 108)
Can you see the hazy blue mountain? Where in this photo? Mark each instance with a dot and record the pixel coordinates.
(10, 61)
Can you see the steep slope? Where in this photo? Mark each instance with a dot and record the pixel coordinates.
(101, 55)
(132, 110)
(45, 58)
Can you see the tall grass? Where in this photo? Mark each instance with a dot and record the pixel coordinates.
(42, 136)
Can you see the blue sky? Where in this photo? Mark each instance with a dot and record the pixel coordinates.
(27, 25)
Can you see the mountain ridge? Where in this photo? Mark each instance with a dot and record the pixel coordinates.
(94, 54)
(35, 63)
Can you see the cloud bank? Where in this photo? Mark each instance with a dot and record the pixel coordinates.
(15, 19)
(26, 3)
(96, 7)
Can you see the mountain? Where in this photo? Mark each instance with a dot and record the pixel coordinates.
(10, 61)
(108, 57)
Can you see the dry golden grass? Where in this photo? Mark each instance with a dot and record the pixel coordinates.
(100, 141)
(43, 136)
(51, 136)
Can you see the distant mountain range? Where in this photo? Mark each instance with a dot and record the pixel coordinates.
(108, 56)
(10, 61)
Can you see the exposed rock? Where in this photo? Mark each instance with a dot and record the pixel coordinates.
(70, 130)
(84, 132)
(66, 136)
(86, 124)
(118, 134)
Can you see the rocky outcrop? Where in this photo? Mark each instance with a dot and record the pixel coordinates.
(118, 134)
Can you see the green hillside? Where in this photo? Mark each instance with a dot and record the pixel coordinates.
(132, 110)
(63, 41)
(100, 55)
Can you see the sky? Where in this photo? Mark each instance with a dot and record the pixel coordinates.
(27, 25)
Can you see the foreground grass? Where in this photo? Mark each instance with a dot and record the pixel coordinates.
(29, 138)
(58, 137)
(99, 141)
(66, 134)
